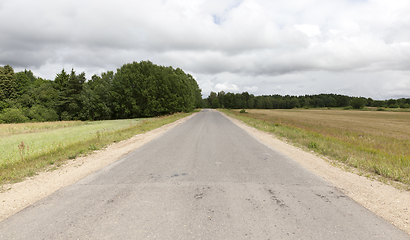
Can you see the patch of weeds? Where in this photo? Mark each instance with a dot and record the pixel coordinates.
(312, 145)
(99, 134)
(243, 111)
(31, 173)
(52, 169)
(22, 149)
(92, 147)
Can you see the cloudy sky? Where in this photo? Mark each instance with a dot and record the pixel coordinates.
(296, 47)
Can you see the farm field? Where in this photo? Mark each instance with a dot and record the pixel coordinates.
(373, 142)
(29, 147)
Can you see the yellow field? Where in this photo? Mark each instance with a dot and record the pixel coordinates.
(372, 141)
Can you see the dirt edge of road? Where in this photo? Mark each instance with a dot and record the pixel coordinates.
(18, 196)
(384, 200)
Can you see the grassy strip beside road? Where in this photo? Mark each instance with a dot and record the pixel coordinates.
(31, 147)
(372, 142)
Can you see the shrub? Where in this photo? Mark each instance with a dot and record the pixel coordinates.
(39, 113)
(243, 111)
(357, 103)
(312, 145)
(13, 115)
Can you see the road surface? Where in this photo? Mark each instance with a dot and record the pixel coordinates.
(205, 179)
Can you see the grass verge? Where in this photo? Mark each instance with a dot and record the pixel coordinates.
(31, 148)
(373, 143)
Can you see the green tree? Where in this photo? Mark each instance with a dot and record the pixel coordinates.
(96, 98)
(45, 93)
(211, 97)
(70, 87)
(144, 89)
(61, 80)
(215, 103)
(8, 85)
(357, 103)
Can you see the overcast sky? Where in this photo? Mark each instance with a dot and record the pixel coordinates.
(296, 47)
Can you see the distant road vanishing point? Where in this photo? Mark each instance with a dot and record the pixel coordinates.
(205, 179)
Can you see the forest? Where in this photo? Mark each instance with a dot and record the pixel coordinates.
(135, 90)
(245, 100)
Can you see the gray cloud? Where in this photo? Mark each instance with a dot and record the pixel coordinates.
(260, 46)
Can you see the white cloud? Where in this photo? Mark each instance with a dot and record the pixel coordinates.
(252, 89)
(226, 87)
(308, 29)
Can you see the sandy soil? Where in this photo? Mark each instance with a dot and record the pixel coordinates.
(386, 201)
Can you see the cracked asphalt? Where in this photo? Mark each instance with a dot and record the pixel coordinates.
(205, 179)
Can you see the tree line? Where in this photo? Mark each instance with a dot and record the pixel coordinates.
(245, 100)
(135, 90)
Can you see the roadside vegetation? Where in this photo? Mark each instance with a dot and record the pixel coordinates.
(27, 148)
(373, 142)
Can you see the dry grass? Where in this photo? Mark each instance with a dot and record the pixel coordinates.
(11, 129)
(373, 142)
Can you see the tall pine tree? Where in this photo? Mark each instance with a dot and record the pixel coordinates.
(8, 83)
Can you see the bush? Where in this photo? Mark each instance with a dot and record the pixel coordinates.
(39, 113)
(3, 105)
(13, 115)
(243, 111)
(357, 103)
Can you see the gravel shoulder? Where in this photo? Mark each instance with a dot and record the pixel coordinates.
(384, 200)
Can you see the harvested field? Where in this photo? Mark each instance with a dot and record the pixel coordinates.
(370, 141)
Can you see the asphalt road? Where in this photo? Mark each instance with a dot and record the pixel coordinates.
(205, 179)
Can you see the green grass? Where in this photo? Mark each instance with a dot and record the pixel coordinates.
(28, 148)
(371, 141)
